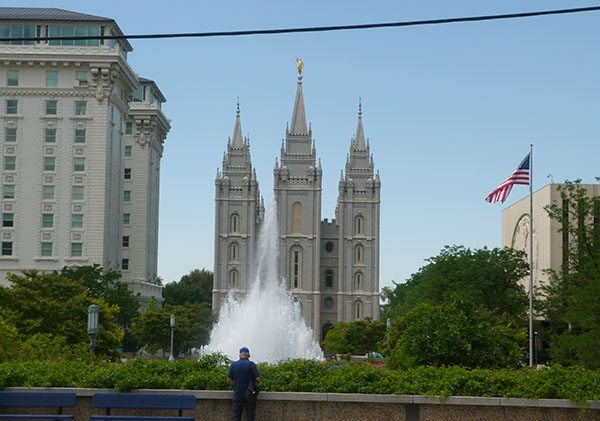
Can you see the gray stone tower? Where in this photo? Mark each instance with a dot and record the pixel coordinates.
(297, 188)
(331, 267)
(238, 215)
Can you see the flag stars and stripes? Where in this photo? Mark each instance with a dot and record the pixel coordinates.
(519, 176)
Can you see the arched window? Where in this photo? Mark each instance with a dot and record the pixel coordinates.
(233, 252)
(233, 278)
(234, 223)
(358, 254)
(325, 329)
(359, 225)
(296, 267)
(297, 218)
(358, 310)
(329, 278)
(358, 281)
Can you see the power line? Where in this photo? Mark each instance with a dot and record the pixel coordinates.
(318, 28)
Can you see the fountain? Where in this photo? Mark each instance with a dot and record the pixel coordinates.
(266, 320)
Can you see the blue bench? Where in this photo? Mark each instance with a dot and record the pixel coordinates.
(57, 400)
(110, 401)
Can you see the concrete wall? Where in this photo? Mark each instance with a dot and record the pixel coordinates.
(280, 406)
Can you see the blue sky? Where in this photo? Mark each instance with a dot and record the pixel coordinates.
(450, 110)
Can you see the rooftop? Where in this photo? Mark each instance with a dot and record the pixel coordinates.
(47, 14)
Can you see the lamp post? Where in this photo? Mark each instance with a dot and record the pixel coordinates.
(92, 327)
(172, 324)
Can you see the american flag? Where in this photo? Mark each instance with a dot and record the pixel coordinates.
(519, 176)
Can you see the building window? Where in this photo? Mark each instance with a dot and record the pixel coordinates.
(296, 267)
(52, 78)
(328, 303)
(51, 107)
(358, 254)
(329, 278)
(81, 76)
(12, 78)
(358, 281)
(128, 151)
(80, 107)
(358, 310)
(127, 196)
(297, 217)
(11, 134)
(126, 218)
(47, 220)
(127, 174)
(76, 220)
(10, 163)
(233, 279)
(8, 191)
(76, 249)
(11, 106)
(48, 192)
(8, 219)
(129, 127)
(359, 225)
(67, 30)
(46, 249)
(124, 264)
(329, 246)
(125, 242)
(17, 30)
(78, 164)
(50, 135)
(77, 193)
(7, 248)
(233, 252)
(234, 223)
(79, 135)
(49, 163)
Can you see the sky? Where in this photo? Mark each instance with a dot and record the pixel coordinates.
(450, 110)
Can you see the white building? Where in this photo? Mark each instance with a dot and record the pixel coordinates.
(550, 242)
(82, 136)
(332, 267)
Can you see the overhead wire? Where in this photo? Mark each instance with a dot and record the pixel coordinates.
(330, 28)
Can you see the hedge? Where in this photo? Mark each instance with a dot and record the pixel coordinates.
(209, 373)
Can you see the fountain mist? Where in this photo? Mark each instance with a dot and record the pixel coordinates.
(267, 320)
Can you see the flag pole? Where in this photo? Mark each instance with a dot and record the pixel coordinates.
(531, 333)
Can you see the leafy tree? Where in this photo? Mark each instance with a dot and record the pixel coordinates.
(192, 327)
(489, 277)
(360, 336)
(572, 304)
(454, 333)
(51, 304)
(195, 287)
(10, 345)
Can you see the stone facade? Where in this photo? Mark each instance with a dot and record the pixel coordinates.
(330, 267)
(82, 136)
(548, 239)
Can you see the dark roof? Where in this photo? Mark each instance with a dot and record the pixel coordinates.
(157, 90)
(48, 14)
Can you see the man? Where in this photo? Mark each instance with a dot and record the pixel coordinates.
(241, 373)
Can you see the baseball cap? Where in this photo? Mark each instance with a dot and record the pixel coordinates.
(244, 350)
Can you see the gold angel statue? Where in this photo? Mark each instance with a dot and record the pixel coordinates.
(300, 65)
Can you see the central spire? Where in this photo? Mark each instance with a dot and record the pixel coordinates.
(238, 140)
(298, 125)
(360, 134)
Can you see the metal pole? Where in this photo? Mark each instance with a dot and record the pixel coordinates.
(172, 324)
(531, 333)
(92, 327)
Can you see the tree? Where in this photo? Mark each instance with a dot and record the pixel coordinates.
(572, 297)
(489, 277)
(195, 287)
(51, 304)
(192, 327)
(454, 333)
(360, 336)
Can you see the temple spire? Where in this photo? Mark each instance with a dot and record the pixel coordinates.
(298, 115)
(238, 140)
(360, 134)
